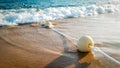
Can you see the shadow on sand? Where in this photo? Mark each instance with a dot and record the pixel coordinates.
(70, 59)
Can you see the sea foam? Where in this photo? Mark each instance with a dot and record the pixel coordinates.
(31, 15)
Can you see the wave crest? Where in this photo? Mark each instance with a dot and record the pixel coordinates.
(17, 16)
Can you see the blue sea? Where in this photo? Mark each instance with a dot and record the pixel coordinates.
(14, 12)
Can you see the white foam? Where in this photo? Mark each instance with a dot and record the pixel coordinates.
(15, 16)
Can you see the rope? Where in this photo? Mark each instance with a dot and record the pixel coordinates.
(63, 34)
(96, 49)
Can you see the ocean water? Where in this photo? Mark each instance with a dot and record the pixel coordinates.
(14, 12)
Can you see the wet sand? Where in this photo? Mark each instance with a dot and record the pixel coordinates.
(35, 47)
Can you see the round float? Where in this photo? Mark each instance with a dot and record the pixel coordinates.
(84, 43)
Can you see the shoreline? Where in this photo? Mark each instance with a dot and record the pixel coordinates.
(54, 21)
(35, 47)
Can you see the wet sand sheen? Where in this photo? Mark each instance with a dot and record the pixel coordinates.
(35, 47)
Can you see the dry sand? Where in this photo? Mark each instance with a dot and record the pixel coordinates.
(35, 47)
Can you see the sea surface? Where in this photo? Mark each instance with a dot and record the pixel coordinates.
(14, 12)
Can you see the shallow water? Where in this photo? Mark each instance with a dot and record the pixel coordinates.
(104, 29)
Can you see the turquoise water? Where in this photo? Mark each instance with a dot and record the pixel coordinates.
(15, 12)
(11, 4)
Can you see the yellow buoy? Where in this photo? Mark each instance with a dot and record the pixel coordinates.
(84, 43)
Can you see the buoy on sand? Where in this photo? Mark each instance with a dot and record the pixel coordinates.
(47, 25)
(84, 43)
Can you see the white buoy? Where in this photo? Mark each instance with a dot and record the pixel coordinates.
(84, 43)
(47, 25)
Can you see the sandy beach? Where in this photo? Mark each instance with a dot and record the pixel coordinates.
(35, 47)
